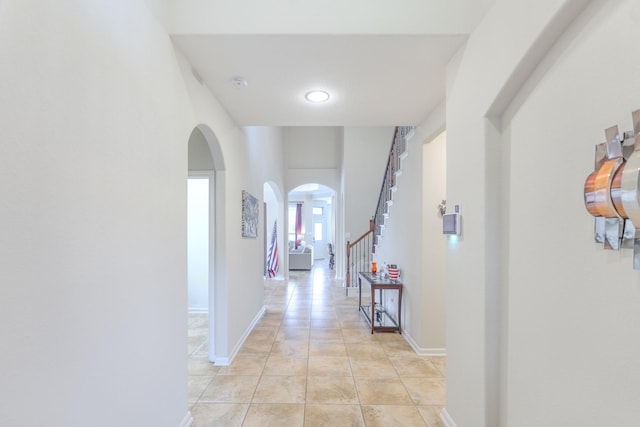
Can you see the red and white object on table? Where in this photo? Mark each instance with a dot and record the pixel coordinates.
(393, 271)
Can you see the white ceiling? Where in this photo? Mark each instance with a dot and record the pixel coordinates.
(316, 191)
(374, 80)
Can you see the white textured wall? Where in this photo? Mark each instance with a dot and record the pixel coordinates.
(434, 243)
(313, 147)
(533, 306)
(199, 153)
(364, 157)
(331, 17)
(93, 166)
(366, 151)
(238, 286)
(573, 307)
(399, 245)
(314, 155)
(412, 214)
(96, 115)
(266, 153)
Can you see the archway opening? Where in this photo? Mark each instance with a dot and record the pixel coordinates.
(205, 197)
(311, 226)
(274, 226)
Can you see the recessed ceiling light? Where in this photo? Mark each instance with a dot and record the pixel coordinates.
(317, 96)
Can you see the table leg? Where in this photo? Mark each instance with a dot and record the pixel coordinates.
(359, 294)
(399, 310)
(373, 308)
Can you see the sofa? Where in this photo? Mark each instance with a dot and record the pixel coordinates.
(301, 258)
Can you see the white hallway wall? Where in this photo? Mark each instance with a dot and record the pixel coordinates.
(590, 298)
(366, 150)
(414, 213)
(313, 155)
(266, 148)
(239, 286)
(534, 307)
(97, 111)
(350, 160)
(434, 246)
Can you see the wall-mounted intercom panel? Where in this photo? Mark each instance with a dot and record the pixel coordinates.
(451, 222)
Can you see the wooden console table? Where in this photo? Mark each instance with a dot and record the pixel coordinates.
(375, 313)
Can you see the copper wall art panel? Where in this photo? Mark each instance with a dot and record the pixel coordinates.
(612, 191)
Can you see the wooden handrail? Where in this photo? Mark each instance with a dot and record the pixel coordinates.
(363, 246)
(361, 237)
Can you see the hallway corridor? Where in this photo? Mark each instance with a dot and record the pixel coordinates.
(312, 361)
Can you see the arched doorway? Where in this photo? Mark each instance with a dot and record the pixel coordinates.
(311, 220)
(205, 202)
(274, 225)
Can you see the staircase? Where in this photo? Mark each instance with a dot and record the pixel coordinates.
(360, 252)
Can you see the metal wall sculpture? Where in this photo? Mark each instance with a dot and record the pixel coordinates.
(250, 212)
(611, 191)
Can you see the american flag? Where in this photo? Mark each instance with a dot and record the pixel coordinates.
(272, 255)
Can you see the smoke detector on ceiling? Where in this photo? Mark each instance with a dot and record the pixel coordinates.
(239, 82)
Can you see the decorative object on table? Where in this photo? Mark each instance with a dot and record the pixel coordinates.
(250, 211)
(393, 271)
(374, 267)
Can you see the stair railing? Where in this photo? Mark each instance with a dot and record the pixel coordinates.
(398, 147)
(359, 254)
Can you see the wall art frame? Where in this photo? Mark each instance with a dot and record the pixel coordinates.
(250, 215)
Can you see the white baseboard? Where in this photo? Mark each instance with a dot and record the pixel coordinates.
(446, 418)
(423, 351)
(221, 361)
(187, 420)
(226, 361)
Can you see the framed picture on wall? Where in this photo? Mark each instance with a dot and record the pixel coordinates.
(250, 212)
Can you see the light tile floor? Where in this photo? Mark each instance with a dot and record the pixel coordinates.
(312, 361)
